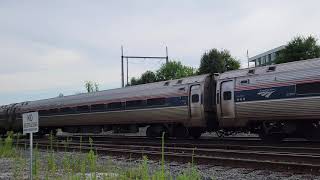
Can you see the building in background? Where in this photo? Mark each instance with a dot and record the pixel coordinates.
(266, 58)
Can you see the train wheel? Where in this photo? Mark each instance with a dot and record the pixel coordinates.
(180, 132)
(271, 132)
(149, 132)
(312, 131)
(71, 129)
(271, 137)
(157, 131)
(195, 133)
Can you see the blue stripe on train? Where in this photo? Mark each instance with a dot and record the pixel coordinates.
(169, 102)
(265, 94)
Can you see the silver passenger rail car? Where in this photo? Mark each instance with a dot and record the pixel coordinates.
(178, 107)
(274, 101)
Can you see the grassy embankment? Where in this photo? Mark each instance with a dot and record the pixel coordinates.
(76, 166)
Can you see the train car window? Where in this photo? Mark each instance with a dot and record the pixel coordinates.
(218, 98)
(227, 95)
(43, 112)
(83, 108)
(67, 110)
(271, 68)
(156, 101)
(244, 82)
(98, 107)
(53, 111)
(184, 100)
(179, 81)
(135, 103)
(308, 88)
(195, 98)
(251, 71)
(115, 106)
(167, 83)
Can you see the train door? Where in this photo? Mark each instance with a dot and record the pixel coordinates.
(195, 102)
(227, 100)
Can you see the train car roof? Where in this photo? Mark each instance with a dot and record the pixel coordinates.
(151, 89)
(274, 68)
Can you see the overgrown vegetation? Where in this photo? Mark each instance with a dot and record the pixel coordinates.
(6, 147)
(215, 61)
(169, 71)
(79, 166)
(299, 48)
(91, 86)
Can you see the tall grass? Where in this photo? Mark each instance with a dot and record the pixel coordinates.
(6, 147)
(36, 163)
(76, 166)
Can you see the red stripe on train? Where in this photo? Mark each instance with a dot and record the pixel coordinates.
(279, 84)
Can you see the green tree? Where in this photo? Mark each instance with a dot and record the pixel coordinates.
(146, 77)
(299, 48)
(174, 70)
(134, 81)
(216, 61)
(91, 86)
(168, 71)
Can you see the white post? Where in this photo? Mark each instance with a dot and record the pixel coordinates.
(30, 125)
(31, 147)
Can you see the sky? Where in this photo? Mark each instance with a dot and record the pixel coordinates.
(53, 47)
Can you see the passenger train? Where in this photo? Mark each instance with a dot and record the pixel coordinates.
(274, 101)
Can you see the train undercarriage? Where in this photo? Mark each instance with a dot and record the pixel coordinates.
(267, 130)
(277, 131)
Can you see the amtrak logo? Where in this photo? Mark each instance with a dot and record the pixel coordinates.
(266, 92)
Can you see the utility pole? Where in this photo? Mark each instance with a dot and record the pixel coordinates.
(122, 73)
(167, 57)
(127, 72)
(248, 58)
(137, 57)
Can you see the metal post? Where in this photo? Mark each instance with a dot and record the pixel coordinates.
(137, 57)
(122, 73)
(248, 58)
(127, 72)
(31, 147)
(167, 57)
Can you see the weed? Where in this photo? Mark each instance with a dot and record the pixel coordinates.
(92, 161)
(190, 173)
(36, 163)
(80, 146)
(6, 148)
(144, 169)
(83, 169)
(17, 141)
(19, 165)
(51, 162)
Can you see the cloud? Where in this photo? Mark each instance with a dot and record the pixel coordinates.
(35, 66)
(55, 46)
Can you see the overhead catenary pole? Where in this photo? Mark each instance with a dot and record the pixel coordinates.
(248, 58)
(122, 73)
(167, 57)
(137, 57)
(127, 72)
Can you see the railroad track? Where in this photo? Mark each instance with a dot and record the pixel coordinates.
(285, 156)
